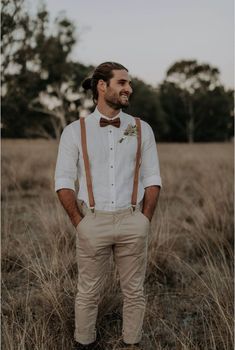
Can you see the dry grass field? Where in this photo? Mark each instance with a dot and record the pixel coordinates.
(189, 281)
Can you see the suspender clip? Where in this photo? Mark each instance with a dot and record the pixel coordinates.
(92, 209)
(133, 207)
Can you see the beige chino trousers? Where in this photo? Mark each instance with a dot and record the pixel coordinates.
(125, 233)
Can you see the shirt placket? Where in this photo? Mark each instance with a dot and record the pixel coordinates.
(111, 167)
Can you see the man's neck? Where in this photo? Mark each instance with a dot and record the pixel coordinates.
(107, 111)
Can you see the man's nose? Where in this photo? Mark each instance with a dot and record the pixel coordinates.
(129, 89)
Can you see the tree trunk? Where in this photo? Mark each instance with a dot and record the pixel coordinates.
(191, 124)
(191, 130)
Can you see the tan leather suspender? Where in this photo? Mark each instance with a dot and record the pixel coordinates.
(87, 165)
(137, 165)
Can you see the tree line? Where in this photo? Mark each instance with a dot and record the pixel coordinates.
(41, 85)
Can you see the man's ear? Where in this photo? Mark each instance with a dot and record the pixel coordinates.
(101, 85)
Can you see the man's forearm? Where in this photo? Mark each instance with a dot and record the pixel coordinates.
(151, 196)
(68, 200)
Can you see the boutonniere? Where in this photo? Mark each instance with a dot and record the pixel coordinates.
(131, 130)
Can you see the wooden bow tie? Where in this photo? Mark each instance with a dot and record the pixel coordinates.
(115, 122)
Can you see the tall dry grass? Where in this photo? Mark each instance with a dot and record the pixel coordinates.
(189, 276)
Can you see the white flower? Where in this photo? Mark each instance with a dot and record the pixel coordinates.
(131, 130)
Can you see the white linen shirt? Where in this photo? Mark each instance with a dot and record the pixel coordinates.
(112, 163)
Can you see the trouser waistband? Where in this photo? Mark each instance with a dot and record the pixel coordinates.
(84, 208)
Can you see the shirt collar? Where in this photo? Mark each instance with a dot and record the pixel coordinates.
(98, 115)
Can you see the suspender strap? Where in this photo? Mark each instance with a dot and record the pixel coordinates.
(137, 165)
(86, 164)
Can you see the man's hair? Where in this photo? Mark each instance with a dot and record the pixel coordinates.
(105, 72)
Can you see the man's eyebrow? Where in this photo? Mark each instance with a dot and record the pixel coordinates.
(123, 80)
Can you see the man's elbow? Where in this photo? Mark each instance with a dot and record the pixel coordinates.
(153, 188)
(65, 192)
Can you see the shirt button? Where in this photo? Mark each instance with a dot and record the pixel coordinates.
(112, 184)
(112, 202)
(110, 131)
(111, 148)
(111, 166)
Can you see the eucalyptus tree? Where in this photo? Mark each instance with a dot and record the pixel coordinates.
(197, 105)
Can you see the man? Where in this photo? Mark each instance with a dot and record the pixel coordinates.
(115, 159)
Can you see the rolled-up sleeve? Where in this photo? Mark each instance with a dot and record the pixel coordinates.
(66, 165)
(149, 169)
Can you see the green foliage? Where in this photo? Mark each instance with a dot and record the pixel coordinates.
(197, 106)
(36, 69)
(213, 107)
(145, 104)
(175, 113)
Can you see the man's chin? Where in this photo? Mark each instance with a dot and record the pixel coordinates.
(118, 104)
(124, 105)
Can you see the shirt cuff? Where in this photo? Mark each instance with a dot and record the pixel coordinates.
(64, 183)
(154, 180)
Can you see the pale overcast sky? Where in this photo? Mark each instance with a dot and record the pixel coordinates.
(147, 36)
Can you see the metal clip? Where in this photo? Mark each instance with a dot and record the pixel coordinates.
(133, 207)
(92, 209)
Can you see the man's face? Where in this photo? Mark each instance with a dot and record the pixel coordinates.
(118, 90)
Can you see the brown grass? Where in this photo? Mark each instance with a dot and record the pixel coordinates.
(189, 277)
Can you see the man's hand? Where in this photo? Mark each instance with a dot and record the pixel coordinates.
(68, 200)
(150, 200)
(77, 221)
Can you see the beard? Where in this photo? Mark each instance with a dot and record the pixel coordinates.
(115, 101)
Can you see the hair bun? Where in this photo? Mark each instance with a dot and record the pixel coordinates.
(86, 84)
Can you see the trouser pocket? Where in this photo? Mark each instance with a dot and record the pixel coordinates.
(142, 216)
(84, 219)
